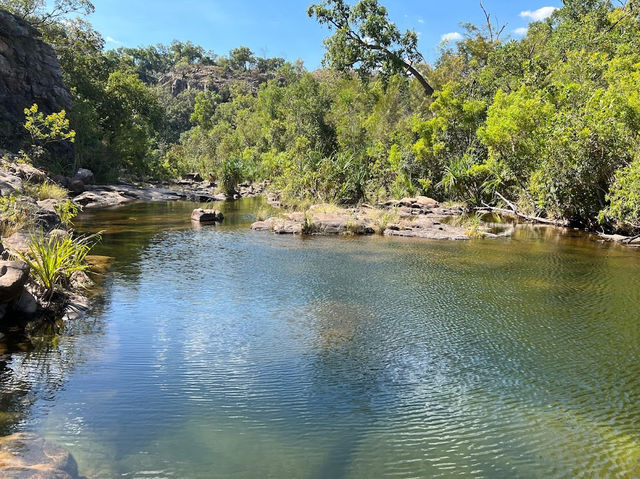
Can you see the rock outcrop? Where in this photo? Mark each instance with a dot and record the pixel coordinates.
(206, 216)
(419, 217)
(13, 277)
(29, 73)
(211, 78)
(427, 228)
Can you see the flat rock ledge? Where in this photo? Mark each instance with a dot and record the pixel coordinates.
(117, 195)
(26, 455)
(427, 228)
(419, 217)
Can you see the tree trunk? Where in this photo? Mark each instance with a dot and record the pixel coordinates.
(428, 89)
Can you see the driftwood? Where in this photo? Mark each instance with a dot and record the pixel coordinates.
(515, 211)
(619, 238)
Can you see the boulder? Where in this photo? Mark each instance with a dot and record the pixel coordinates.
(101, 199)
(61, 180)
(206, 216)
(26, 455)
(27, 305)
(195, 177)
(27, 172)
(9, 183)
(288, 227)
(13, 277)
(76, 186)
(17, 242)
(47, 219)
(85, 176)
(266, 225)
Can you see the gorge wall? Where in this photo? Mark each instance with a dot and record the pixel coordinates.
(29, 73)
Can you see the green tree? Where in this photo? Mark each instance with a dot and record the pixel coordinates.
(366, 39)
(41, 13)
(241, 58)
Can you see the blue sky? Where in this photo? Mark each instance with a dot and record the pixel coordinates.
(283, 29)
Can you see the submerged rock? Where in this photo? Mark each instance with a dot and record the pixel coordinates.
(206, 216)
(26, 455)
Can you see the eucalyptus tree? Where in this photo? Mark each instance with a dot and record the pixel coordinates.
(365, 39)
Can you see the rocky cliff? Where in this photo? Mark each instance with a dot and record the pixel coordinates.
(212, 78)
(29, 73)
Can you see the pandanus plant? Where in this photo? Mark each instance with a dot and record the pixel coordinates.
(54, 258)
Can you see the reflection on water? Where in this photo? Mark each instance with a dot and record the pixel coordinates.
(221, 352)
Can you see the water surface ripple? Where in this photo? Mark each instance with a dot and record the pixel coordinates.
(220, 352)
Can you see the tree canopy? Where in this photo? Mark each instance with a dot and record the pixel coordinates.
(366, 39)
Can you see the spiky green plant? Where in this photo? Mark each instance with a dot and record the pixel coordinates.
(55, 258)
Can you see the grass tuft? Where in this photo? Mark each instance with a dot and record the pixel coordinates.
(46, 191)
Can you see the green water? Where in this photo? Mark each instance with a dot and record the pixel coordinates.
(222, 352)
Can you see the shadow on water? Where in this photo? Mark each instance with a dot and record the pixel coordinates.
(37, 368)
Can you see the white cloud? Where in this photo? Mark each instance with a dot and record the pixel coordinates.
(539, 14)
(112, 40)
(522, 31)
(420, 20)
(451, 37)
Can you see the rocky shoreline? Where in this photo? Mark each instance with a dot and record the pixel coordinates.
(20, 300)
(419, 217)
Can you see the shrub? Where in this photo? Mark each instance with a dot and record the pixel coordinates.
(230, 174)
(47, 129)
(68, 211)
(624, 199)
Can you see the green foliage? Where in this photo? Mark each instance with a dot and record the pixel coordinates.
(230, 174)
(624, 198)
(55, 258)
(67, 212)
(41, 13)
(46, 129)
(15, 215)
(204, 108)
(241, 58)
(366, 39)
